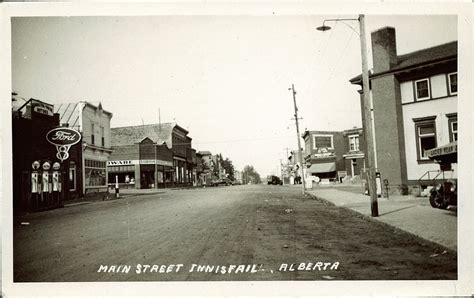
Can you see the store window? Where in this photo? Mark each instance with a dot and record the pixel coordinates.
(321, 141)
(426, 136)
(72, 176)
(453, 83)
(422, 88)
(95, 172)
(354, 143)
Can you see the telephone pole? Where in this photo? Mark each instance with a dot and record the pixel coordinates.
(298, 136)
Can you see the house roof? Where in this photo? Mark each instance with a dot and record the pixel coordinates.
(70, 112)
(158, 133)
(420, 58)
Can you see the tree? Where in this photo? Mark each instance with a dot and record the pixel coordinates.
(228, 167)
(249, 174)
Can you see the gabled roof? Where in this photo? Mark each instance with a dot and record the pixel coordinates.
(128, 135)
(443, 52)
(70, 113)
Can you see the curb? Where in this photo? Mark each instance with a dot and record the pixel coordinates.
(375, 220)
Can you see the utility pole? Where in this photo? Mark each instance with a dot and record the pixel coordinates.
(298, 136)
(281, 171)
(368, 120)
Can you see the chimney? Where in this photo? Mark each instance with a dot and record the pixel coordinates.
(384, 49)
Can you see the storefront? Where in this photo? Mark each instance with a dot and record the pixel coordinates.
(141, 174)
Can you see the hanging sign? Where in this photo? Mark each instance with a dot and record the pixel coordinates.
(63, 138)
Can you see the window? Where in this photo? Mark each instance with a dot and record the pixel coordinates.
(322, 141)
(92, 134)
(95, 172)
(422, 88)
(453, 83)
(453, 127)
(354, 143)
(426, 136)
(102, 136)
(72, 176)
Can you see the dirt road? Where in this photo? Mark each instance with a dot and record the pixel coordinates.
(234, 233)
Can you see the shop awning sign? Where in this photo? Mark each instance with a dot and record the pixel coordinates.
(447, 149)
(63, 138)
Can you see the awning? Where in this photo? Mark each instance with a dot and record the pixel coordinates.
(445, 152)
(322, 167)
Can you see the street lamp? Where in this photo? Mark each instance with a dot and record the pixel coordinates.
(367, 108)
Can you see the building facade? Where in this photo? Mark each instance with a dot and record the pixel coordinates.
(415, 107)
(334, 155)
(33, 189)
(154, 155)
(93, 122)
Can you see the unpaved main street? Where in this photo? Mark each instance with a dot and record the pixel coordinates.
(265, 226)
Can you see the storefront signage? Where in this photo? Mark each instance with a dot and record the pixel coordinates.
(121, 162)
(42, 108)
(112, 163)
(63, 138)
(447, 149)
(157, 162)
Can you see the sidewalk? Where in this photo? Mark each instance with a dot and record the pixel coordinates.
(411, 214)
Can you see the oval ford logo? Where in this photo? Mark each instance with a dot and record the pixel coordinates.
(63, 136)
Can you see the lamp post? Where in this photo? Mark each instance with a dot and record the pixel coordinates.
(367, 109)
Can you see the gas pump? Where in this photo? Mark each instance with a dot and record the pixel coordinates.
(46, 190)
(56, 184)
(35, 185)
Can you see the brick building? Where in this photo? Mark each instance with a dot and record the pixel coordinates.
(333, 155)
(154, 155)
(415, 107)
(31, 122)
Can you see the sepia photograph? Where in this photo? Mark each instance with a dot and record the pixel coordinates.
(242, 147)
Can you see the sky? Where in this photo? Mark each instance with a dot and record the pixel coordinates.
(223, 78)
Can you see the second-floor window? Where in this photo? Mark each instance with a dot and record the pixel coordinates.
(453, 83)
(422, 89)
(354, 143)
(92, 134)
(102, 136)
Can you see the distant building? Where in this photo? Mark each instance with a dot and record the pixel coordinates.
(334, 155)
(205, 176)
(157, 155)
(415, 107)
(93, 122)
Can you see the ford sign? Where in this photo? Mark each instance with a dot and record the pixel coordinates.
(63, 136)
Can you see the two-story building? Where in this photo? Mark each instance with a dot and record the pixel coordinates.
(154, 155)
(334, 155)
(93, 122)
(324, 150)
(414, 99)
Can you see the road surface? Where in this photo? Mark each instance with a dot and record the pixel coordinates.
(250, 232)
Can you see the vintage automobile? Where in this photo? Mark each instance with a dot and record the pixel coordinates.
(222, 181)
(274, 180)
(444, 191)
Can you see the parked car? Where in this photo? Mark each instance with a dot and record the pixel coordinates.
(223, 181)
(274, 180)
